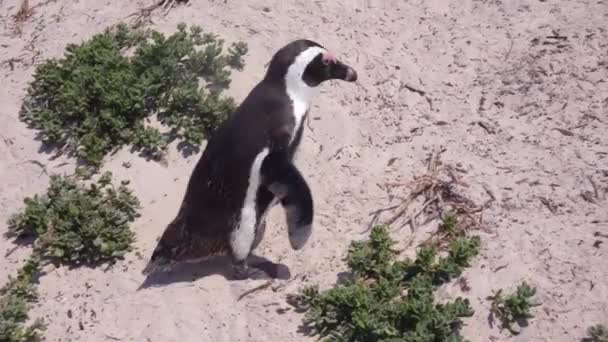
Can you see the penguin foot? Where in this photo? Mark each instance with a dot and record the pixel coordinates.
(240, 270)
(263, 270)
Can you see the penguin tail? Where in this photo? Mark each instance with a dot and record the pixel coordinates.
(156, 263)
(167, 248)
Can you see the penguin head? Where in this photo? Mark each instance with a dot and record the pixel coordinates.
(308, 62)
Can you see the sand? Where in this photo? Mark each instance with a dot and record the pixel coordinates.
(524, 115)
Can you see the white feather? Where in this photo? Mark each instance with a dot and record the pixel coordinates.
(298, 91)
(242, 237)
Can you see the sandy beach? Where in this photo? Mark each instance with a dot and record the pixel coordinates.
(523, 117)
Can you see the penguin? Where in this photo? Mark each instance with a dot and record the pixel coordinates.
(247, 166)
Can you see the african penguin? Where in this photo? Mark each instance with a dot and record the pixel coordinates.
(247, 166)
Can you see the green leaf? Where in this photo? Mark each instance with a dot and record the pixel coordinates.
(58, 253)
(98, 242)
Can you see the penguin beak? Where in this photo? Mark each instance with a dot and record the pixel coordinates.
(343, 72)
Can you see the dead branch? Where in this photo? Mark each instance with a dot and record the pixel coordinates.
(412, 219)
(419, 92)
(429, 240)
(255, 289)
(25, 11)
(405, 204)
(336, 154)
(486, 126)
(11, 62)
(376, 214)
(412, 89)
(552, 208)
(489, 192)
(557, 36)
(564, 132)
(436, 186)
(595, 191)
(39, 164)
(144, 14)
(588, 196)
(10, 251)
(509, 51)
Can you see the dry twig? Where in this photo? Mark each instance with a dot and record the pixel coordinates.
(487, 127)
(25, 11)
(437, 186)
(595, 191)
(145, 13)
(419, 92)
(564, 132)
(552, 207)
(412, 89)
(255, 289)
(412, 219)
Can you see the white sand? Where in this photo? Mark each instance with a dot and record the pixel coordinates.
(476, 61)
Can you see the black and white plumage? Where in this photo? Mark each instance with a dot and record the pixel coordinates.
(247, 166)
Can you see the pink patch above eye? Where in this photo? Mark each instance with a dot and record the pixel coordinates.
(328, 57)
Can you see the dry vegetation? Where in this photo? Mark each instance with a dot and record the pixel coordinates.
(438, 194)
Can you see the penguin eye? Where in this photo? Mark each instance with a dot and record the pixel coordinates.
(327, 58)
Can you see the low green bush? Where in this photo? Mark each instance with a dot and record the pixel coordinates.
(513, 307)
(16, 298)
(99, 95)
(388, 299)
(597, 333)
(74, 223)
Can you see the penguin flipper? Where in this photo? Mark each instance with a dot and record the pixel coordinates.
(284, 180)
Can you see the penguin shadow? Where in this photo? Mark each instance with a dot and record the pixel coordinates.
(186, 272)
(185, 148)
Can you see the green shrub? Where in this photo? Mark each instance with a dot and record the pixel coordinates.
(597, 333)
(448, 223)
(74, 224)
(388, 299)
(513, 307)
(96, 99)
(15, 301)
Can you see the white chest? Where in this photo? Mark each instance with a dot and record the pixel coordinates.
(300, 107)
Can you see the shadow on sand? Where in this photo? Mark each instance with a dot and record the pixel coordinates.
(261, 268)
